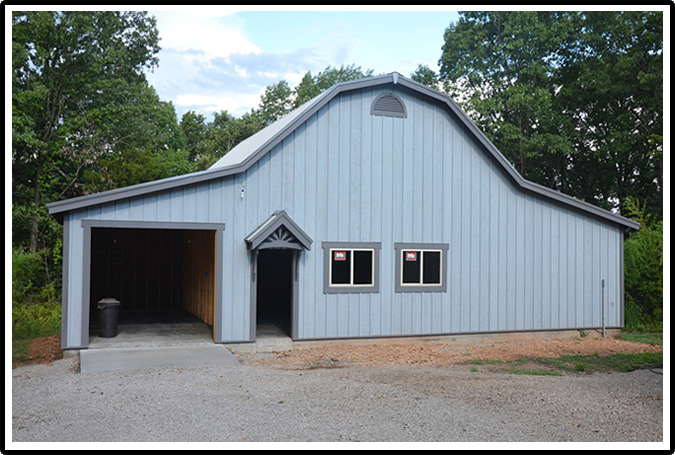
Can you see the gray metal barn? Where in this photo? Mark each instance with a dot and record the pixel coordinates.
(376, 209)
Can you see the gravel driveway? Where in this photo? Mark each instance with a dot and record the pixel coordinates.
(354, 403)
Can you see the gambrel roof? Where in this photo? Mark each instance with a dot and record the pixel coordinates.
(247, 152)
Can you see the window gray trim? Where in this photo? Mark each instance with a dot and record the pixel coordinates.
(389, 105)
(328, 289)
(400, 247)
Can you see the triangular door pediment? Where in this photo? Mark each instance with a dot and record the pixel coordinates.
(278, 231)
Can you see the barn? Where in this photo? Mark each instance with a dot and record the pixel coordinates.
(376, 209)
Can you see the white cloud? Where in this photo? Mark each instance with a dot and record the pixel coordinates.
(195, 68)
(214, 35)
(207, 104)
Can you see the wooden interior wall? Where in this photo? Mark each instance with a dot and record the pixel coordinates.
(199, 293)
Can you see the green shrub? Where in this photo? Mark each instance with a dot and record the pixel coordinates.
(36, 308)
(35, 320)
(643, 273)
(25, 270)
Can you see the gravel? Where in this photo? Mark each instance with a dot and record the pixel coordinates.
(53, 402)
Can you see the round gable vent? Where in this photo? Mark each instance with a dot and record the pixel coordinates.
(388, 105)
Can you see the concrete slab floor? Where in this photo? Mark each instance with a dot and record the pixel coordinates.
(154, 334)
(174, 343)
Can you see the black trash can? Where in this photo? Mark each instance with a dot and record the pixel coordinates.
(108, 313)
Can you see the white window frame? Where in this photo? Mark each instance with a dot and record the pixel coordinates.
(329, 250)
(441, 248)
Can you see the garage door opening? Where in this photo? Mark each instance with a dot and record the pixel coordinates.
(274, 291)
(162, 277)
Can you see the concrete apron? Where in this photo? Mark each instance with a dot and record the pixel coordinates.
(109, 359)
(155, 345)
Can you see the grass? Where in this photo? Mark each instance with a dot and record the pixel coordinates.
(536, 372)
(322, 363)
(30, 322)
(653, 338)
(486, 362)
(19, 354)
(557, 366)
(597, 363)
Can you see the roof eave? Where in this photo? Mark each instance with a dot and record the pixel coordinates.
(320, 101)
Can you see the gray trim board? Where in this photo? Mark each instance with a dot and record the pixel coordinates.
(328, 289)
(152, 225)
(296, 118)
(87, 226)
(218, 270)
(622, 291)
(295, 304)
(65, 261)
(278, 219)
(400, 247)
(254, 296)
(451, 334)
(86, 282)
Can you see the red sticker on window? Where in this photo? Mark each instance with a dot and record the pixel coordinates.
(411, 255)
(340, 256)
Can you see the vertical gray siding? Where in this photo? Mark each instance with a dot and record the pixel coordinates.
(516, 261)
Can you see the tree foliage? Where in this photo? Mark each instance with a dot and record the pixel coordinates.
(643, 256)
(73, 74)
(311, 86)
(574, 100)
(206, 141)
(425, 75)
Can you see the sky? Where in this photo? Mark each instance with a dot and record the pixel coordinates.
(219, 59)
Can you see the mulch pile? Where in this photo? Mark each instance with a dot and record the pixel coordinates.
(45, 349)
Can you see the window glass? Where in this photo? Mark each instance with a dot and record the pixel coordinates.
(432, 267)
(412, 261)
(351, 267)
(363, 267)
(340, 266)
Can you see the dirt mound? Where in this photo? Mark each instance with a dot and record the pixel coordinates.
(45, 349)
(450, 353)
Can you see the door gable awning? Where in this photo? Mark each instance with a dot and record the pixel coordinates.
(278, 231)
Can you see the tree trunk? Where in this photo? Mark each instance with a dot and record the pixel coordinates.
(34, 229)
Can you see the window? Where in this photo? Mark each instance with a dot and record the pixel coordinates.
(351, 267)
(421, 267)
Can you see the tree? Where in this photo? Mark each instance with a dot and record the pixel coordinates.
(149, 144)
(643, 253)
(574, 100)
(194, 128)
(425, 75)
(226, 131)
(275, 103)
(68, 71)
(611, 80)
(311, 86)
(502, 62)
